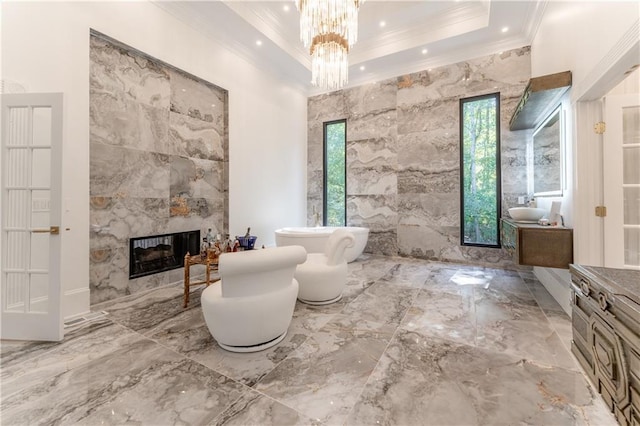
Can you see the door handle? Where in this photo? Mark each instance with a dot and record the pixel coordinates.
(54, 230)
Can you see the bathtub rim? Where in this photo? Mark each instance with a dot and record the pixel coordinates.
(318, 231)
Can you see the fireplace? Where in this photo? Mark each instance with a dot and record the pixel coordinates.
(159, 253)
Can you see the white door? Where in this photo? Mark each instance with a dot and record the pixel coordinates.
(31, 179)
(621, 155)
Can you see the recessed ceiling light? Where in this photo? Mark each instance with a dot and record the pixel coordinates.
(382, 24)
(361, 67)
(285, 8)
(184, 90)
(258, 42)
(424, 51)
(505, 29)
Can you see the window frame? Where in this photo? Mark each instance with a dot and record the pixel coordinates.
(498, 212)
(324, 169)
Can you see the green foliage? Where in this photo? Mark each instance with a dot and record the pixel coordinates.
(335, 191)
(479, 144)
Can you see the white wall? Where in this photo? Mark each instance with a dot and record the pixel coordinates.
(594, 40)
(45, 47)
(576, 35)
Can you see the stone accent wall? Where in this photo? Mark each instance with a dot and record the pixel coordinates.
(403, 170)
(158, 160)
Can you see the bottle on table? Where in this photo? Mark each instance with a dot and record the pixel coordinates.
(209, 237)
(204, 246)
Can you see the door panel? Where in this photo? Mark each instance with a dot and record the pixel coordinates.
(31, 179)
(621, 156)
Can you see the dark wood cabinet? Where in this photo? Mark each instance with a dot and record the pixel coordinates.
(606, 335)
(536, 245)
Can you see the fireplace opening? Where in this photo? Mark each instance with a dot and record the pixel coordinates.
(159, 253)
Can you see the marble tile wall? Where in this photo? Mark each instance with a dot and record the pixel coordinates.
(158, 160)
(403, 154)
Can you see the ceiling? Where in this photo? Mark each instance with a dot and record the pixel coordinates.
(416, 35)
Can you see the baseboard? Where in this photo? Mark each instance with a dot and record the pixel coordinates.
(558, 284)
(75, 303)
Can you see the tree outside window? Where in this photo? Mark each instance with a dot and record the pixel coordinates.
(480, 170)
(335, 176)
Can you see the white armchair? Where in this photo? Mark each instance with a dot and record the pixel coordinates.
(252, 308)
(323, 276)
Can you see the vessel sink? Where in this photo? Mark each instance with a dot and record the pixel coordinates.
(526, 214)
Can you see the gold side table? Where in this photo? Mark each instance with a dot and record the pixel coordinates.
(211, 264)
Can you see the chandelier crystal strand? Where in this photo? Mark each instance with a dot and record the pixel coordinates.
(329, 28)
(329, 61)
(328, 16)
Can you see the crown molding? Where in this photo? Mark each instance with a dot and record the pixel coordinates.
(534, 18)
(611, 69)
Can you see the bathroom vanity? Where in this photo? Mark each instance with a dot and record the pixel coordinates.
(535, 245)
(605, 320)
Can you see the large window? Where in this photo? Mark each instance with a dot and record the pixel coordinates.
(480, 170)
(335, 174)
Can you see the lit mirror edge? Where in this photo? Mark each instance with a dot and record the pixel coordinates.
(557, 111)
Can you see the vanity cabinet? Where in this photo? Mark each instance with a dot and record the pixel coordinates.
(536, 245)
(605, 321)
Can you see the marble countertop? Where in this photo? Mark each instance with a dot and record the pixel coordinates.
(528, 224)
(618, 281)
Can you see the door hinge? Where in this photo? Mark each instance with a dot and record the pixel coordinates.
(600, 127)
(601, 211)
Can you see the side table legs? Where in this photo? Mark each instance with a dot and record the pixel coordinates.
(189, 261)
(187, 267)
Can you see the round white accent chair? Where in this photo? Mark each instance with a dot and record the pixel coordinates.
(323, 276)
(252, 307)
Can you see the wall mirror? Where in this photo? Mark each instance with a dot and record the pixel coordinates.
(548, 157)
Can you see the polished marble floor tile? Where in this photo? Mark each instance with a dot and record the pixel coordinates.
(38, 362)
(249, 368)
(425, 380)
(143, 312)
(254, 408)
(407, 274)
(410, 342)
(323, 377)
(382, 302)
(450, 315)
(139, 381)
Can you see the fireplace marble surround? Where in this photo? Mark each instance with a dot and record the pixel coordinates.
(158, 160)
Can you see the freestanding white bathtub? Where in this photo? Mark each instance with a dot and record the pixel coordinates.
(313, 239)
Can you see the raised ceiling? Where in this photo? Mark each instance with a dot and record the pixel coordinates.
(450, 31)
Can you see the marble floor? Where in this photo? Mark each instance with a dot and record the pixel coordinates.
(411, 343)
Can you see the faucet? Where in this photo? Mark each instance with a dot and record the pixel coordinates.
(531, 202)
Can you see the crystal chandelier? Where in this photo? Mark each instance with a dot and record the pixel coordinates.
(329, 28)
